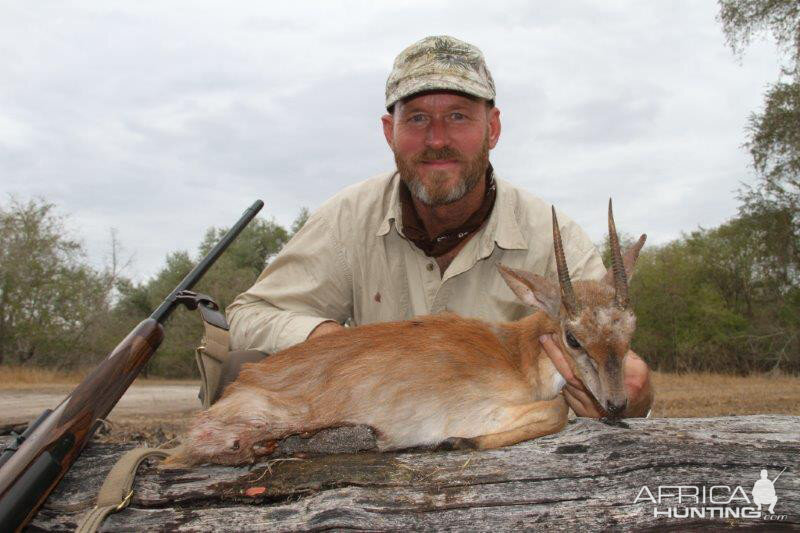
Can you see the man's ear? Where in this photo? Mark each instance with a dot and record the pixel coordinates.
(494, 127)
(533, 290)
(388, 127)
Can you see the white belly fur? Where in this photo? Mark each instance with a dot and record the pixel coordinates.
(558, 382)
(551, 379)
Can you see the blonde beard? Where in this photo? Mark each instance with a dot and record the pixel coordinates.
(437, 194)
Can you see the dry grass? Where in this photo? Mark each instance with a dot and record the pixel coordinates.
(12, 376)
(706, 395)
(21, 377)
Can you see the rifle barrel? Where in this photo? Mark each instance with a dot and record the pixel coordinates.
(161, 314)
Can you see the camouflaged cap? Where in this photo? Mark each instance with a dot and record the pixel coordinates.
(439, 62)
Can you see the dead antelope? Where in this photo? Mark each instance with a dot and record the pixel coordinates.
(435, 379)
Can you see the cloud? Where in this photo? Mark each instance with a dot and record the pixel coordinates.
(612, 120)
(164, 119)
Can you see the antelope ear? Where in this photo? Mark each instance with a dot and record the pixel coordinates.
(532, 289)
(629, 260)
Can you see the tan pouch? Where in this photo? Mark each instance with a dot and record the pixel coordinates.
(211, 355)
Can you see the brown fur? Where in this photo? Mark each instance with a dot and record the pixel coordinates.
(471, 380)
(423, 381)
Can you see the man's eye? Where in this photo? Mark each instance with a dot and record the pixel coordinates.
(417, 119)
(572, 341)
(457, 116)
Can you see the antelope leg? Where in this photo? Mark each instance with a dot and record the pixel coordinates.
(535, 420)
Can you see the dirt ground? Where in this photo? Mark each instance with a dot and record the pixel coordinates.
(151, 411)
(154, 411)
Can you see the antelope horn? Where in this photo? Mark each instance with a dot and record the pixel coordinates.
(620, 278)
(563, 273)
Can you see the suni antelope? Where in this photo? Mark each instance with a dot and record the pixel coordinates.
(435, 379)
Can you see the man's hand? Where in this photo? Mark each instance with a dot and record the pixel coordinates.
(324, 328)
(637, 384)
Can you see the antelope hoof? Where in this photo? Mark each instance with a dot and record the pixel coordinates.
(265, 448)
(456, 443)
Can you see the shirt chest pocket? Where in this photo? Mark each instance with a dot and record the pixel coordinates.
(381, 294)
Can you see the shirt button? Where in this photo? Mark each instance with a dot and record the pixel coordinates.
(430, 267)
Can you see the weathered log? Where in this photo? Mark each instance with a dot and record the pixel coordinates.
(587, 476)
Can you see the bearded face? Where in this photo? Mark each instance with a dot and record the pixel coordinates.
(441, 142)
(437, 186)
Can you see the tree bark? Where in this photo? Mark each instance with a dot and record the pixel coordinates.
(586, 477)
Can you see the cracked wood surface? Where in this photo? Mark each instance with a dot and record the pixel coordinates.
(586, 476)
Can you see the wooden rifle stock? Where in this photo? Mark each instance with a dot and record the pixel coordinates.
(39, 458)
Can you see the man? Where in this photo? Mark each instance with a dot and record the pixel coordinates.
(764, 491)
(426, 238)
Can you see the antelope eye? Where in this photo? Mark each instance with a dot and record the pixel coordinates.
(572, 341)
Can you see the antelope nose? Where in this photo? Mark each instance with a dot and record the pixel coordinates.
(615, 409)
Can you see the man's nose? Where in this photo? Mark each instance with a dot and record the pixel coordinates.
(437, 135)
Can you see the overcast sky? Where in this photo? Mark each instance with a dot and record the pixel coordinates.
(161, 119)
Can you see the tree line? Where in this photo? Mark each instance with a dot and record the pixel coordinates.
(58, 311)
(725, 299)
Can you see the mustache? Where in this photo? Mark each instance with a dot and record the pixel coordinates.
(442, 154)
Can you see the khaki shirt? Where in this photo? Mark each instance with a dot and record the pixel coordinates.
(351, 260)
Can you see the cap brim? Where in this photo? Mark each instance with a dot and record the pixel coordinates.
(413, 85)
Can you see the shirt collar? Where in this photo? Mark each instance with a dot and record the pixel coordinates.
(393, 208)
(501, 228)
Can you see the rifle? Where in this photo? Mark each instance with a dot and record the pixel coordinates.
(779, 475)
(32, 466)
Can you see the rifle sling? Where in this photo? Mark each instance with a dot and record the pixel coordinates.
(117, 489)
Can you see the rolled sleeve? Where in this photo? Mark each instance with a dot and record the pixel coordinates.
(308, 282)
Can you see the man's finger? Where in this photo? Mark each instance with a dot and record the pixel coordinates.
(587, 406)
(574, 404)
(580, 408)
(557, 358)
(579, 395)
